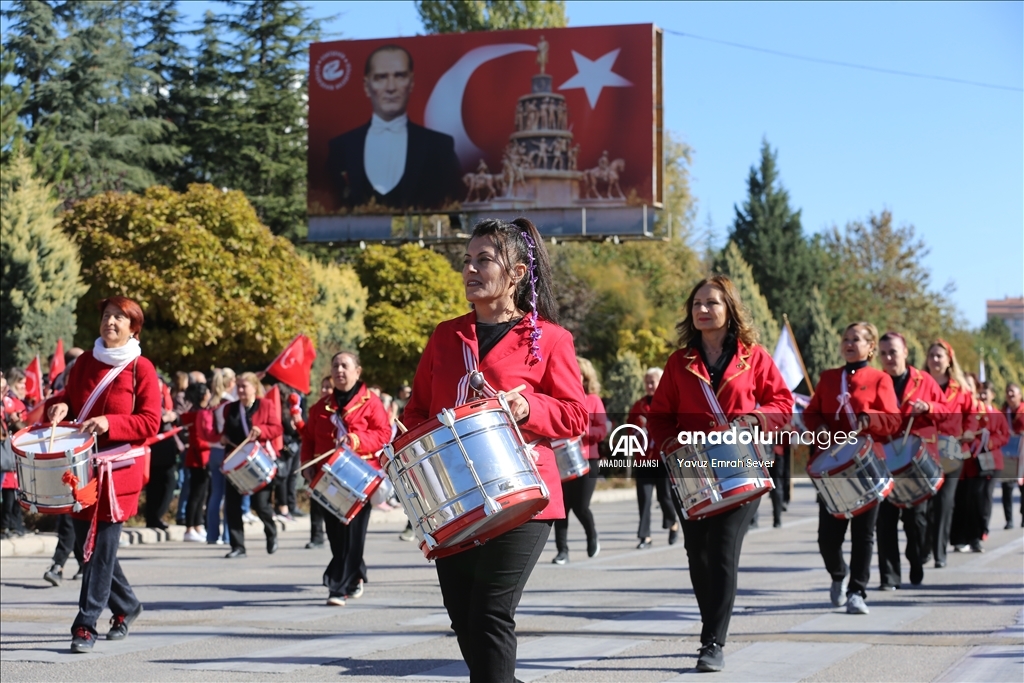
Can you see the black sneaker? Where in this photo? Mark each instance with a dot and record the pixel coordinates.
(1009, 524)
(593, 546)
(272, 545)
(710, 658)
(119, 624)
(314, 544)
(54, 574)
(916, 574)
(78, 574)
(673, 535)
(561, 558)
(82, 640)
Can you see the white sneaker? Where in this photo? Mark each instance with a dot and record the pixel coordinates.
(336, 601)
(856, 605)
(249, 518)
(837, 593)
(193, 537)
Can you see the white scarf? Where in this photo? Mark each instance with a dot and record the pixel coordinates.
(120, 355)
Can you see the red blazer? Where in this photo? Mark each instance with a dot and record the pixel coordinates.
(553, 387)
(921, 387)
(998, 435)
(871, 394)
(131, 405)
(638, 416)
(364, 417)
(201, 432)
(267, 417)
(598, 429)
(751, 385)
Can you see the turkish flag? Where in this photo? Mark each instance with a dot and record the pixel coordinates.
(274, 396)
(473, 87)
(294, 364)
(57, 364)
(34, 381)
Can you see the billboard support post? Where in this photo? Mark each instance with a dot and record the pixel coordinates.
(584, 218)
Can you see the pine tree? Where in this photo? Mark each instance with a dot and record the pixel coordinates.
(823, 341)
(624, 384)
(770, 237)
(40, 284)
(452, 16)
(730, 262)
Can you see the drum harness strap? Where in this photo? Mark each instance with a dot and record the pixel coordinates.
(844, 402)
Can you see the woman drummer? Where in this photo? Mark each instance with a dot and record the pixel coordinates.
(512, 338)
(249, 419)
(351, 416)
(958, 411)
(853, 398)
(119, 408)
(921, 404)
(720, 375)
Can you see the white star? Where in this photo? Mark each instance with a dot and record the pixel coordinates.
(594, 75)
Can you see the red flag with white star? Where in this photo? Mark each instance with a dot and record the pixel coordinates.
(574, 100)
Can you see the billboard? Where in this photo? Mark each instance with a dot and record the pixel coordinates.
(474, 122)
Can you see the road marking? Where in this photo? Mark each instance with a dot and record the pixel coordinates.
(660, 621)
(990, 663)
(882, 619)
(776, 662)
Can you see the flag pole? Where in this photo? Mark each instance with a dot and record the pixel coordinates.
(799, 356)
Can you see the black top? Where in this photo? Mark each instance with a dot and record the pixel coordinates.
(488, 335)
(342, 398)
(233, 430)
(717, 370)
(900, 384)
(852, 368)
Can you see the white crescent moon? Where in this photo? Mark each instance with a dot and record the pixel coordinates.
(444, 108)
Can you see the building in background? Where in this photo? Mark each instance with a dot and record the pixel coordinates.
(1011, 310)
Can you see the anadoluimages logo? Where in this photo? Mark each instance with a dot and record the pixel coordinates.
(332, 70)
(627, 441)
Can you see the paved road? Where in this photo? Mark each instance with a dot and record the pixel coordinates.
(626, 615)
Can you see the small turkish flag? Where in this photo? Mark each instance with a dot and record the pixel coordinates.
(294, 364)
(57, 364)
(34, 381)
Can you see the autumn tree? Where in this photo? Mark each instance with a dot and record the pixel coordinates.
(624, 384)
(730, 262)
(338, 307)
(217, 287)
(454, 16)
(40, 282)
(409, 291)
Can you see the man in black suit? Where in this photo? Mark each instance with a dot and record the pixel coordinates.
(391, 159)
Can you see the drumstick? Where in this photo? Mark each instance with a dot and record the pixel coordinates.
(238, 447)
(53, 433)
(401, 427)
(906, 434)
(317, 459)
(516, 390)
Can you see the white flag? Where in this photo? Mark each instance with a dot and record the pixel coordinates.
(981, 369)
(787, 358)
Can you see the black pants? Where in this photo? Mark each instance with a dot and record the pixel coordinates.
(969, 511)
(645, 487)
(199, 484)
(482, 587)
(832, 533)
(576, 494)
(103, 583)
(915, 524)
(11, 519)
(347, 567)
(66, 542)
(259, 503)
(1007, 487)
(941, 514)
(779, 495)
(284, 484)
(316, 521)
(713, 549)
(163, 478)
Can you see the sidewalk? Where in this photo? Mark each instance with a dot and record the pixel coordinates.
(44, 544)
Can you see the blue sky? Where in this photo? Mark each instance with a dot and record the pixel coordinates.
(947, 158)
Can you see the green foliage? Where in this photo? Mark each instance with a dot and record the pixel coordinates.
(624, 383)
(454, 16)
(651, 347)
(679, 205)
(339, 304)
(878, 275)
(40, 284)
(1004, 358)
(822, 349)
(730, 262)
(769, 235)
(217, 287)
(409, 291)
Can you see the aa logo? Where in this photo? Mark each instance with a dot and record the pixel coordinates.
(628, 441)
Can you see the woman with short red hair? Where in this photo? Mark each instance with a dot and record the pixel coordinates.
(113, 392)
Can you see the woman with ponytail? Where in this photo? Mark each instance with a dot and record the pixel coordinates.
(512, 338)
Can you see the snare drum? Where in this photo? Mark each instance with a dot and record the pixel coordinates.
(465, 477)
(951, 454)
(708, 480)
(41, 469)
(569, 457)
(1013, 465)
(851, 478)
(250, 468)
(344, 483)
(916, 475)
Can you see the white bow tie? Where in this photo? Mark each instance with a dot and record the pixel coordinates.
(397, 125)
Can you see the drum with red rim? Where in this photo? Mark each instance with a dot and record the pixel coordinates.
(572, 462)
(917, 476)
(42, 468)
(465, 477)
(250, 468)
(851, 478)
(344, 484)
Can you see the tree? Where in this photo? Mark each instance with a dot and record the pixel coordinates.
(339, 304)
(878, 275)
(1003, 356)
(624, 384)
(822, 348)
(217, 287)
(410, 290)
(679, 206)
(770, 238)
(40, 284)
(651, 347)
(453, 16)
(730, 262)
